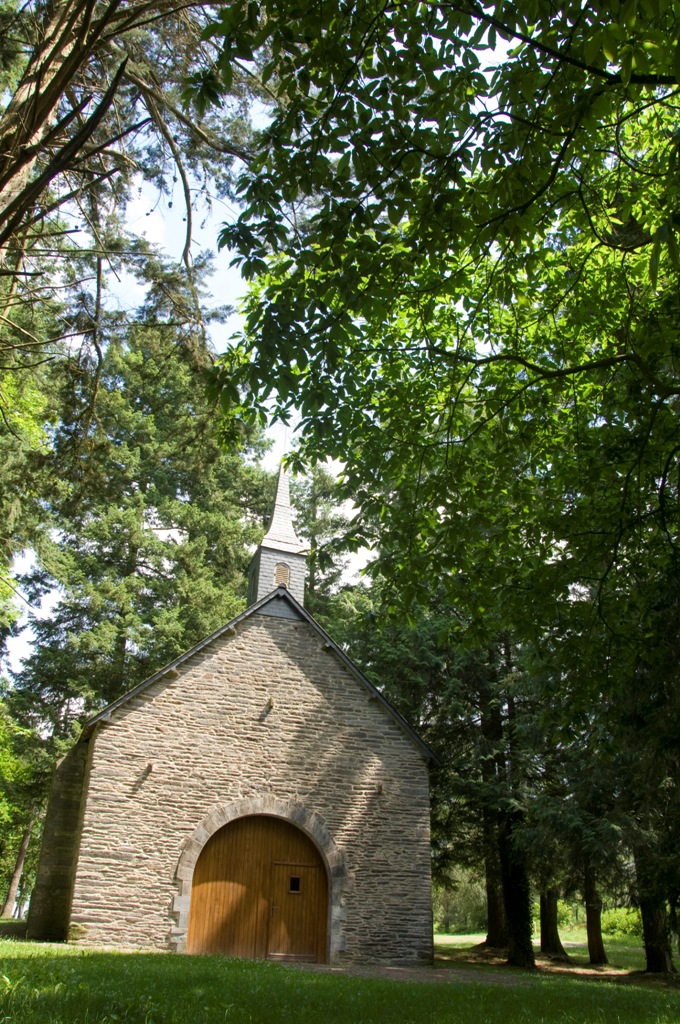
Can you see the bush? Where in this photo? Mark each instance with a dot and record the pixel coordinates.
(460, 906)
(568, 915)
(622, 921)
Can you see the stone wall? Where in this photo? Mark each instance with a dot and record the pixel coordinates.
(48, 917)
(266, 717)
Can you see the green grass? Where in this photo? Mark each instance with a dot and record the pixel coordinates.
(64, 985)
(622, 951)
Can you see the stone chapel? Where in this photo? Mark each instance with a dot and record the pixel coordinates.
(256, 797)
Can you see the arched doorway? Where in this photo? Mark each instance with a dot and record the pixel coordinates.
(259, 890)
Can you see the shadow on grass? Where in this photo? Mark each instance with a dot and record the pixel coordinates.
(42, 984)
(453, 953)
(10, 929)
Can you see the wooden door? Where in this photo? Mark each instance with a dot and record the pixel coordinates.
(297, 924)
(259, 890)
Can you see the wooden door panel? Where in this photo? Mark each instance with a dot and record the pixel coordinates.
(228, 905)
(242, 871)
(297, 913)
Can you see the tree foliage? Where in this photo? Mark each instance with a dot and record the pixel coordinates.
(25, 770)
(458, 237)
(463, 224)
(91, 115)
(152, 524)
(476, 708)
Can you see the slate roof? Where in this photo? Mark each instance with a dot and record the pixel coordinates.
(281, 535)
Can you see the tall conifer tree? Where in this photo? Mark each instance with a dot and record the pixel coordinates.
(152, 524)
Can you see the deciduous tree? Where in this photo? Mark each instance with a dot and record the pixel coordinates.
(463, 222)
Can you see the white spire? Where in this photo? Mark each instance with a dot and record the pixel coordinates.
(281, 535)
(280, 558)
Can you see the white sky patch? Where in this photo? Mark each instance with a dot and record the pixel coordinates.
(19, 648)
(147, 215)
(161, 219)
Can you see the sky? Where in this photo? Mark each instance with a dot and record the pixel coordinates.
(151, 215)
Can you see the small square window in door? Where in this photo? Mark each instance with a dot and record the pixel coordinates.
(294, 883)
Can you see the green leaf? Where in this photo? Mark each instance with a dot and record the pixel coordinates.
(593, 47)
(627, 64)
(676, 62)
(610, 43)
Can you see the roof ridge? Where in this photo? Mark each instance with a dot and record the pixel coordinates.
(279, 593)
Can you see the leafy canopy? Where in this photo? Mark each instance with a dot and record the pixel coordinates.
(462, 219)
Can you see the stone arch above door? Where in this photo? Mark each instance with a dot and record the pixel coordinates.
(297, 814)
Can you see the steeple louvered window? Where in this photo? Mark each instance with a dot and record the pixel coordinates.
(282, 575)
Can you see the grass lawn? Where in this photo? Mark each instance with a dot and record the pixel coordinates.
(47, 984)
(624, 954)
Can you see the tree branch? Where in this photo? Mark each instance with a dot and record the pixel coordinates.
(179, 164)
(16, 210)
(563, 58)
(150, 92)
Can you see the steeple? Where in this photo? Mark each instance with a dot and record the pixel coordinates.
(280, 558)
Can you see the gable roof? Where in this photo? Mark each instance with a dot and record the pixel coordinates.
(279, 603)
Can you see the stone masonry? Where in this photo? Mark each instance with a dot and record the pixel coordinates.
(265, 718)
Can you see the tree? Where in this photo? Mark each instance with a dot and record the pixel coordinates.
(24, 771)
(471, 703)
(29, 409)
(96, 95)
(421, 143)
(146, 510)
(92, 112)
(649, 762)
(320, 519)
(402, 319)
(154, 518)
(463, 221)
(94, 108)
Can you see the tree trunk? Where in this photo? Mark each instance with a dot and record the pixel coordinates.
(497, 928)
(551, 944)
(652, 895)
(593, 902)
(516, 888)
(655, 935)
(493, 769)
(8, 909)
(31, 112)
(69, 34)
(517, 894)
